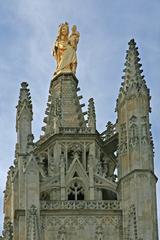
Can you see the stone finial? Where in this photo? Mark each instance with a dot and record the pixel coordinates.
(109, 130)
(24, 99)
(91, 115)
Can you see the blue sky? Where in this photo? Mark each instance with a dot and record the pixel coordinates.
(27, 31)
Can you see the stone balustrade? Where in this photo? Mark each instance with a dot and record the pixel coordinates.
(98, 205)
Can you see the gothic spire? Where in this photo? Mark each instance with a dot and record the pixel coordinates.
(133, 107)
(135, 150)
(134, 82)
(133, 72)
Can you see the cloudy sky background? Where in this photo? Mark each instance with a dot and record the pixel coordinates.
(27, 31)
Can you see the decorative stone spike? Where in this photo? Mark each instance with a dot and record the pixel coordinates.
(78, 89)
(85, 113)
(47, 111)
(43, 128)
(82, 105)
(80, 97)
(45, 120)
(49, 98)
(91, 115)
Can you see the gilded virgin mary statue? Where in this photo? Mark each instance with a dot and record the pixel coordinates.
(64, 49)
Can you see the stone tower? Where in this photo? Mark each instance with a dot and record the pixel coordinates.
(137, 181)
(66, 185)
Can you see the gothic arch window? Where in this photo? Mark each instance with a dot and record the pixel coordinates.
(75, 191)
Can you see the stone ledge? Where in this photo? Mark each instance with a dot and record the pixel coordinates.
(18, 213)
(64, 76)
(138, 171)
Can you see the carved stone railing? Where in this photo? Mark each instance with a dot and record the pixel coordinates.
(98, 205)
(74, 130)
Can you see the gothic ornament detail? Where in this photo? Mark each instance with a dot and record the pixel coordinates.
(133, 133)
(144, 132)
(123, 139)
(132, 223)
(74, 224)
(99, 233)
(32, 224)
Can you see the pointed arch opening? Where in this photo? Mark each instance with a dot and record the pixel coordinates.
(76, 191)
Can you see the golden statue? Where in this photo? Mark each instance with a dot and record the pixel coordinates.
(64, 49)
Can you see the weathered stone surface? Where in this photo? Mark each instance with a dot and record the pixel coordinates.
(81, 227)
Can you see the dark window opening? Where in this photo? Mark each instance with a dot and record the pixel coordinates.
(108, 195)
(80, 196)
(71, 196)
